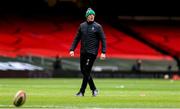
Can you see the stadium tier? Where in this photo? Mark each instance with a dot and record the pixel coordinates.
(122, 45)
(50, 38)
(165, 37)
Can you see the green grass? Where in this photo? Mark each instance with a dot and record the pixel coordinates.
(114, 93)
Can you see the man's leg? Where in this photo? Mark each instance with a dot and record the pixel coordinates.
(90, 81)
(83, 59)
(91, 59)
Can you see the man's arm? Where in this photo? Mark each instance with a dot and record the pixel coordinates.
(103, 43)
(75, 42)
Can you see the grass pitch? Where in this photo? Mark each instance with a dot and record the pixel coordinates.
(113, 93)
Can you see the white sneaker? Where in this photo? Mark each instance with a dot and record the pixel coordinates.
(80, 94)
(95, 92)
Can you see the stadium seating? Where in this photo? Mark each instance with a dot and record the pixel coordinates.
(123, 45)
(166, 37)
(41, 41)
(50, 38)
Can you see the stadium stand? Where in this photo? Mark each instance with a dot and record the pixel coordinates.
(46, 38)
(42, 41)
(166, 37)
(124, 46)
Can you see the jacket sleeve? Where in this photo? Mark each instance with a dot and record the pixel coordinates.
(103, 39)
(76, 40)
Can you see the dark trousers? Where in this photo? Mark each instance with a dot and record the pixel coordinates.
(86, 63)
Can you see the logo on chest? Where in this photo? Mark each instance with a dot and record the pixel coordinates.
(92, 28)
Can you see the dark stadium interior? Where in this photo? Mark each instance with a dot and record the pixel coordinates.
(151, 27)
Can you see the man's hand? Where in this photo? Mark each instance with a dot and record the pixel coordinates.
(71, 53)
(103, 56)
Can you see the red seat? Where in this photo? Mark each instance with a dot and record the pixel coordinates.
(165, 37)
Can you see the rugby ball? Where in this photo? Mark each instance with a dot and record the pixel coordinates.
(19, 98)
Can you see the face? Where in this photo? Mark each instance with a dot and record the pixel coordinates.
(90, 18)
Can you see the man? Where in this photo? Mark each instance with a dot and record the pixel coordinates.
(137, 66)
(57, 66)
(90, 33)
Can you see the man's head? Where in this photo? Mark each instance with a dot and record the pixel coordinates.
(90, 14)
